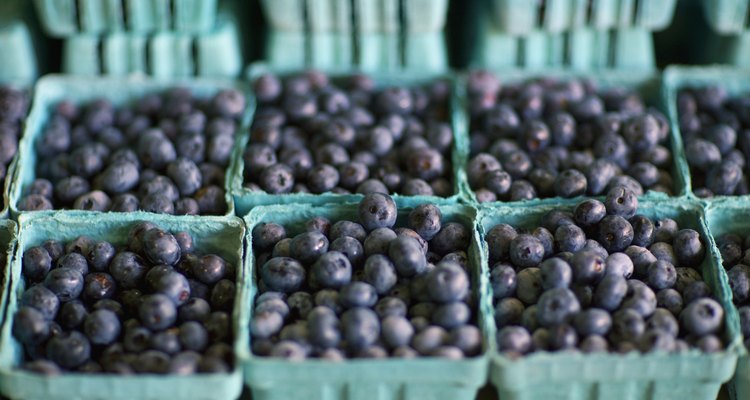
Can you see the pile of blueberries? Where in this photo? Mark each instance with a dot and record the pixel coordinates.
(544, 138)
(716, 136)
(312, 135)
(166, 153)
(365, 289)
(13, 106)
(154, 306)
(602, 278)
(736, 260)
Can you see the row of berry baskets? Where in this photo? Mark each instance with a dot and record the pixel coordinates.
(564, 236)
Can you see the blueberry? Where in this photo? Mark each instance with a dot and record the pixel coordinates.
(157, 312)
(627, 324)
(323, 328)
(702, 317)
(447, 283)
(621, 201)
(568, 238)
(556, 306)
(739, 281)
(165, 341)
(664, 252)
(529, 286)
(615, 233)
(643, 230)
(125, 202)
(75, 261)
(570, 183)
(499, 239)
(599, 174)
(332, 270)
(526, 251)
(556, 273)
(589, 212)
(358, 294)
(453, 236)
(702, 154)
(100, 255)
(36, 263)
(347, 228)
(661, 275)
(349, 247)
(30, 326)
(99, 285)
(308, 247)
(619, 264)
(102, 327)
(380, 273)
(66, 283)
(68, 349)
(610, 292)
(663, 320)
(407, 256)
(504, 281)
(665, 229)
(696, 290)
(360, 327)
(161, 247)
(669, 299)
(451, 315)
(377, 210)
(639, 298)
(429, 339)
(514, 339)
(210, 269)
(593, 321)
(396, 331)
(283, 274)
(72, 314)
(378, 241)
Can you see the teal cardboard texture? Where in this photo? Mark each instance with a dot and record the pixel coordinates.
(52, 89)
(8, 233)
(363, 379)
(223, 238)
(17, 47)
(63, 18)
(216, 53)
(245, 199)
(727, 16)
(374, 35)
(646, 85)
(11, 168)
(521, 17)
(735, 81)
(732, 216)
(609, 376)
(581, 49)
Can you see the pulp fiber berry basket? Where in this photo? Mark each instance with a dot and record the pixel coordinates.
(372, 34)
(727, 16)
(17, 44)
(731, 216)
(245, 199)
(364, 379)
(223, 238)
(574, 375)
(62, 18)
(213, 53)
(54, 88)
(364, 16)
(8, 233)
(520, 17)
(734, 81)
(647, 85)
